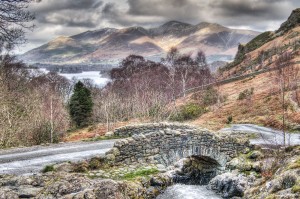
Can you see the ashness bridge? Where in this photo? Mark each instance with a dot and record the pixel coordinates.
(167, 143)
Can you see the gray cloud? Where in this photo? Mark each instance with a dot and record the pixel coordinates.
(73, 13)
(256, 14)
(68, 17)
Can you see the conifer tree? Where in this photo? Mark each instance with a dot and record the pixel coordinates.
(81, 105)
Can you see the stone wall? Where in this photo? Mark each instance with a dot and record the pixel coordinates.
(166, 144)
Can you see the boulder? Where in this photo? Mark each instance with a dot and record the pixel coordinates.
(229, 185)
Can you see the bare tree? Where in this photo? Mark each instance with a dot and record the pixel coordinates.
(14, 18)
(285, 70)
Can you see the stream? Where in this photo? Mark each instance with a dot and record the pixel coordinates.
(180, 191)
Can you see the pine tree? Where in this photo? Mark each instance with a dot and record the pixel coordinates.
(81, 105)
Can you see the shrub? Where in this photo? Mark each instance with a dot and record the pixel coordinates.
(210, 97)
(188, 112)
(245, 94)
(229, 119)
(95, 163)
(48, 168)
(81, 167)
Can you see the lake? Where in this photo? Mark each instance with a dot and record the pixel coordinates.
(93, 75)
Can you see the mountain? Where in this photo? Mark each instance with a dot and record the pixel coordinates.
(110, 45)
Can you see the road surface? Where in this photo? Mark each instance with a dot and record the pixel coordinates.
(34, 159)
(265, 136)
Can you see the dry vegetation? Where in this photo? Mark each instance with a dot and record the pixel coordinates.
(265, 105)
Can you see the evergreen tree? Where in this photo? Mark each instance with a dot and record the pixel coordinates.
(81, 105)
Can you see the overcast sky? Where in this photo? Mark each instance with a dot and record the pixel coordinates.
(68, 17)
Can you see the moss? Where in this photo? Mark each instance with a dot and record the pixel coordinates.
(142, 172)
(272, 196)
(48, 168)
(296, 188)
(295, 165)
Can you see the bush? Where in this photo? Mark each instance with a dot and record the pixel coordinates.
(210, 97)
(245, 94)
(229, 119)
(48, 168)
(81, 167)
(95, 163)
(188, 112)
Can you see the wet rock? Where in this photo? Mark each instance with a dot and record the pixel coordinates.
(229, 185)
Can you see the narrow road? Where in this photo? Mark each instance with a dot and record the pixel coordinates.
(34, 159)
(265, 136)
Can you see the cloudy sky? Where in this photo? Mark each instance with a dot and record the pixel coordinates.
(68, 17)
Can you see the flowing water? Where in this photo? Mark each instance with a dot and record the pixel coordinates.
(180, 191)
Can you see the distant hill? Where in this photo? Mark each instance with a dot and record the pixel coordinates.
(110, 45)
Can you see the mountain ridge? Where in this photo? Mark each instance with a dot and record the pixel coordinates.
(110, 45)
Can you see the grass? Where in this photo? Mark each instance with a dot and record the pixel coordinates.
(100, 138)
(48, 168)
(141, 172)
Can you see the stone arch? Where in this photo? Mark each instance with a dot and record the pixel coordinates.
(166, 143)
(197, 170)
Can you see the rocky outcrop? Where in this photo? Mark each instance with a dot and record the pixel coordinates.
(229, 185)
(292, 22)
(78, 186)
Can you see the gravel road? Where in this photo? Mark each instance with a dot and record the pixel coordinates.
(33, 159)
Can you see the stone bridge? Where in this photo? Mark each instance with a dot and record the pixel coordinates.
(167, 143)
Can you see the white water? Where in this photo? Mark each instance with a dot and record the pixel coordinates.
(179, 191)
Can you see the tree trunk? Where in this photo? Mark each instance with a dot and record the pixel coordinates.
(51, 120)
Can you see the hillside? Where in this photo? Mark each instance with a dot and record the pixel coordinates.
(254, 92)
(110, 45)
(262, 52)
